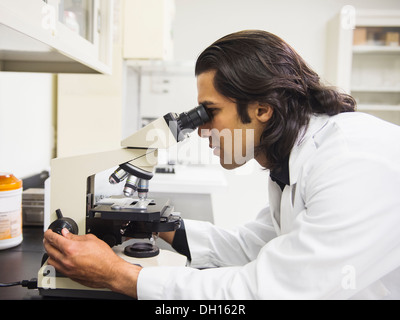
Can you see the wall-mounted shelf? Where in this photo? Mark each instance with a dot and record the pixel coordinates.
(360, 49)
(381, 89)
(378, 107)
(364, 60)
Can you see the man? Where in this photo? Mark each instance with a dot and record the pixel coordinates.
(331, 228)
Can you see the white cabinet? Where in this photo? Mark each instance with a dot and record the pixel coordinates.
(56, 36)
(364, 60)
(90, 106)
(148, 29)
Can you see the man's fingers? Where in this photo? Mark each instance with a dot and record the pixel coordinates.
(53, 252)
(56, 245)
(69, 235)
(53, 262)
(55, 239)
(62, 240)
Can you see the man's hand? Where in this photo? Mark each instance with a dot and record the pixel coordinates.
(91, 262)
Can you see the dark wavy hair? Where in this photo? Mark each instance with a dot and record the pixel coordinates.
(257, 66)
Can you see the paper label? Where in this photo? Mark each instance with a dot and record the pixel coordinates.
(10, 224)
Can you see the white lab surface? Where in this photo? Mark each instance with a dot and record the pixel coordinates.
(331, 234)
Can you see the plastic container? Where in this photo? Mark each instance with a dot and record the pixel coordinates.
(10, 211)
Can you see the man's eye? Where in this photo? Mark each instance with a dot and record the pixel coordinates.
(211, 112)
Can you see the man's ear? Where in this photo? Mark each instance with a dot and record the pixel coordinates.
(263, 112)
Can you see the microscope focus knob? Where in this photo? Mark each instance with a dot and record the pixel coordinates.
(62, 222)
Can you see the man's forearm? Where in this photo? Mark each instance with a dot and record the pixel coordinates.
(167, 236)
(125, 279)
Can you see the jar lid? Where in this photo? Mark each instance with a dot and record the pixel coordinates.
(9, 182)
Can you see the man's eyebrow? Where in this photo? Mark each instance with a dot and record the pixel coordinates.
(207, 103)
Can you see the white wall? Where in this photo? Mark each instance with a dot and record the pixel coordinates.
(302, 24)
(26, 123)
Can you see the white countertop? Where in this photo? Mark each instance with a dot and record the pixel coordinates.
(190, 179)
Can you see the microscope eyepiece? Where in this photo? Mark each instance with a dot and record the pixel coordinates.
(194, 118)
(186, 122)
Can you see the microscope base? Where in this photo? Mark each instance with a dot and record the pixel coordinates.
(53, 284)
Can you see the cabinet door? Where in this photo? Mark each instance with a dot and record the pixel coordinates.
(147, 29)
(79, 17)
(73, 36)
(90, 21)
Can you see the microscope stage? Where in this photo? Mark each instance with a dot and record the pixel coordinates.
(130, 209)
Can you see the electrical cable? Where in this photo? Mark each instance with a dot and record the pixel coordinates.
(12, 284)
(30, 284)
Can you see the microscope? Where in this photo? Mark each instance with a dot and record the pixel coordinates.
(122, 220)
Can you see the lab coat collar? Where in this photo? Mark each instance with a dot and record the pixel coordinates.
(305, 145)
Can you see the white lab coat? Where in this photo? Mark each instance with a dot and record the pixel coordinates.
(334, 233)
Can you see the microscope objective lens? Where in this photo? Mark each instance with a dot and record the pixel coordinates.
(131, 185)
(117, 176)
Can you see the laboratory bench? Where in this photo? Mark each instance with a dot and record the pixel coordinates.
(22, 263)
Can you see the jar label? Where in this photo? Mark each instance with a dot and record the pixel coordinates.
(10, 224)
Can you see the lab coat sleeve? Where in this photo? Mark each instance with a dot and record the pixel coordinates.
(344, 240)
(212, 246)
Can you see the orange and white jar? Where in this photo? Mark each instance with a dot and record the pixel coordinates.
(10, 211)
